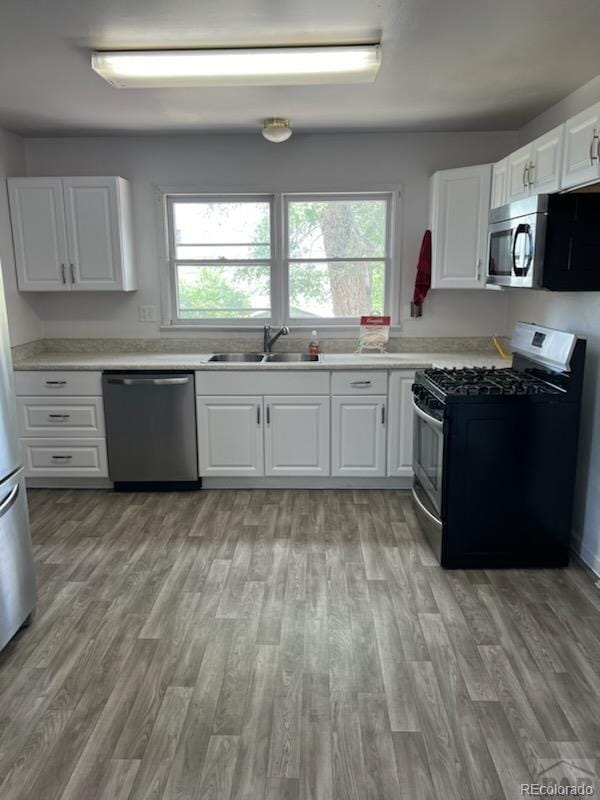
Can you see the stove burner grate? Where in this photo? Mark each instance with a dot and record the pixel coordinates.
(474, 381)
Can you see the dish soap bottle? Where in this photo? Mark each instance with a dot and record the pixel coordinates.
(314, 348)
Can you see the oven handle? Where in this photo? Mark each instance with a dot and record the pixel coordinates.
(430, 420)
(426, 511)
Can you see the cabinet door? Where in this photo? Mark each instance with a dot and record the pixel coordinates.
(358, 436)
(460, 204)
(400, 425)
(92, 217)
(38, 223)
(518, 174)
(297, 435)
(499, 179)
(546, 162)
(581, 159)
(230, 436)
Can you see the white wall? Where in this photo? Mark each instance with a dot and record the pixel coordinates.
(572, 104)
(24, 324)
(248, 163)
(578, 312)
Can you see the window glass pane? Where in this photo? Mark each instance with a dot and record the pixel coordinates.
(336, 289)
(337, 228)
(206, 292)
(214, 226)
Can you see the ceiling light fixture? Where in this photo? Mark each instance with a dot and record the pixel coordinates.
(277, 129)
(268, 66)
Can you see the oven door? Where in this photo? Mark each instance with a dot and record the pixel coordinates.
(513, 253)
(428, 454)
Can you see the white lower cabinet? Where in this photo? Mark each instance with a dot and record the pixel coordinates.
(65, 458)
(297, 436)
(61, 421)
(230, 436)
(358, 436)
(400, 427)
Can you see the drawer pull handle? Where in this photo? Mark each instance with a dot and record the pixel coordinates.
(61, 458)
(59, 416)
(360, 384)
(56, 383)
(383, 414)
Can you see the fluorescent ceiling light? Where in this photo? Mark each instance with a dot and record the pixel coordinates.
(277, 66)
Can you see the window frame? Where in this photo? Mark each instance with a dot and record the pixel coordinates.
(279, 261)
(288, 197)
(174, 262)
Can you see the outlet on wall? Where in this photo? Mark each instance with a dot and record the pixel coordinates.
(147, 313)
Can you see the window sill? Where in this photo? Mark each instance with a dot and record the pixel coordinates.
(325, 330)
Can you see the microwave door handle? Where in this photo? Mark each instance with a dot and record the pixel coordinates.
(522, 230)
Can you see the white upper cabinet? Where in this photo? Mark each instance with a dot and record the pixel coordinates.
(72, 234)
(518, 180)
(499, 183)
(39, 235)
(98, 217)
(581, 160)
(460, 203)
(532, 169)
(546, 162)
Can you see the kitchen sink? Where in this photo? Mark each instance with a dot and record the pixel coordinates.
(291, 357)
(237, 357)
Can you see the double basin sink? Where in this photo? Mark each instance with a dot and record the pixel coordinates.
(263, 358)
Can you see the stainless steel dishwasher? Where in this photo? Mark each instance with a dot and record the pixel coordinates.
(151, 429)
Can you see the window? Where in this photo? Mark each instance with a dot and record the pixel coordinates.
(336, 256)
(221, 253)
(282, 258)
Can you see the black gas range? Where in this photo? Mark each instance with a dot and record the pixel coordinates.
(495, 454)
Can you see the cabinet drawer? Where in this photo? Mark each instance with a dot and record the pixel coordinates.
(65, 416)
(261, 382)
(55, 382)
(359, 382)
(82, 458)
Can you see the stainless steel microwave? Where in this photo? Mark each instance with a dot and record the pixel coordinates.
(546, 242)
(517, 239)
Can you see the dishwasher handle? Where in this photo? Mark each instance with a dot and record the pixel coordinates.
(149, 381)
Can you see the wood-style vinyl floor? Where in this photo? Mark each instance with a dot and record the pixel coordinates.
(261, 645)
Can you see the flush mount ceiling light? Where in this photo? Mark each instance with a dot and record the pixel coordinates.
(267, 66)
(277, 129)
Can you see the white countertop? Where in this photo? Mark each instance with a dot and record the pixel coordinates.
(199, 361)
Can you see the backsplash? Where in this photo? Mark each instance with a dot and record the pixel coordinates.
(398, 344)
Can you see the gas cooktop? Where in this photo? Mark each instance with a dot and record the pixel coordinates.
(478, 381)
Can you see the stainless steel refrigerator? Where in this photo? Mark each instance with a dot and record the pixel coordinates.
(17, 574)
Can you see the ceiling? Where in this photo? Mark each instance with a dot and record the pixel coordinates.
(447, 64)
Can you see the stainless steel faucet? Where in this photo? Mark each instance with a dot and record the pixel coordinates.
(269, 341)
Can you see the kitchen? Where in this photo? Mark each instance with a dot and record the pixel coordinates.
(285, 629)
